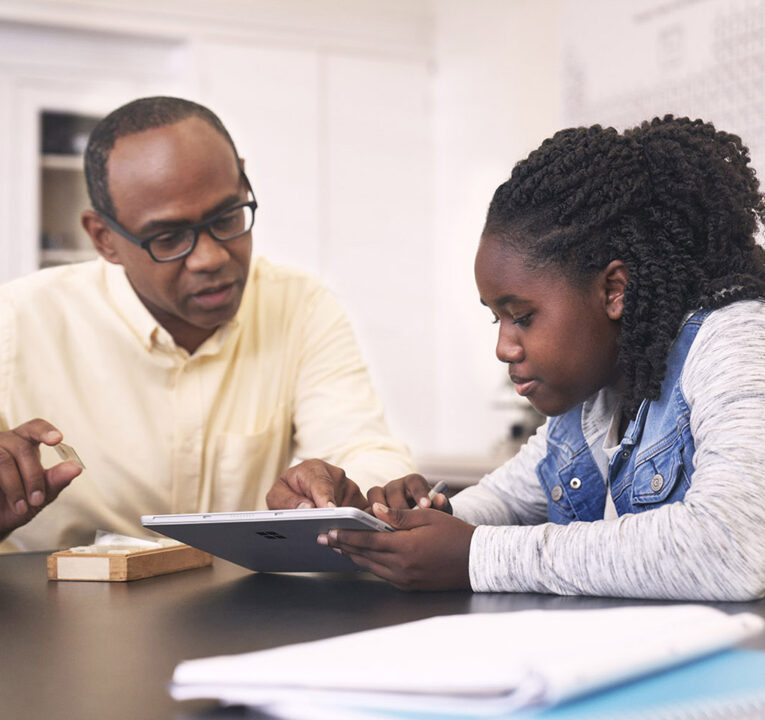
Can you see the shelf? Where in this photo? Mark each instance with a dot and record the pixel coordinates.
(58, 256)
(61, 162)
(457, 471)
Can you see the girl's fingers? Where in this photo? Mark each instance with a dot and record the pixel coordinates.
(372, 565)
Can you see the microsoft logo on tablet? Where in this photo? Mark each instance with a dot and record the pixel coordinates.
(271, 535)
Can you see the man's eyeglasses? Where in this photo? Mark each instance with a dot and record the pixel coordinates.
(175, 244)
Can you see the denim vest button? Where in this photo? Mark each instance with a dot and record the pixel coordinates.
(556, 493)
(625, 454)
(575, 483)
(657, 483)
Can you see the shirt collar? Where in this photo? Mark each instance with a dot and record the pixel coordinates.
(597, 412)
(144, 325)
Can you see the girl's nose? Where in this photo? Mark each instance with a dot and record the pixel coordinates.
(509, 350)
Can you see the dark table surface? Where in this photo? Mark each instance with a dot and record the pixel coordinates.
(107, 650)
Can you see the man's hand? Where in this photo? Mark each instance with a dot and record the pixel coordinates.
(430, 550)
(407, 492)
(25, 486)
(314, 483)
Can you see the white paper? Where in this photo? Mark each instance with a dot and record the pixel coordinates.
(483, 662)
(110, 539)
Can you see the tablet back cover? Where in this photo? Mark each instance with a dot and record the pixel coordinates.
(264, 541)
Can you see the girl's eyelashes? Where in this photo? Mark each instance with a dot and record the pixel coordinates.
(523, 321)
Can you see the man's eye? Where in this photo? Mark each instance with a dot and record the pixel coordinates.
(168, 240)
(229, 221)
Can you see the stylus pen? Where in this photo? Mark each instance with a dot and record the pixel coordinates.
(440, 486)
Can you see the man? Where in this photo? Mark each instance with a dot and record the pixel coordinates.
(186, 377)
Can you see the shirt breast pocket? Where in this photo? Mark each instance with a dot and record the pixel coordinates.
(246, 465)
(662, 476)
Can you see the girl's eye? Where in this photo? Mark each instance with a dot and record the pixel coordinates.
(523, 321)
(494, 319)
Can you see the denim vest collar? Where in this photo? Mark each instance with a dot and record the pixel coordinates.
(654, 462)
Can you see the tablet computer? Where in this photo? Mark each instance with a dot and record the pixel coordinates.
(268, 540)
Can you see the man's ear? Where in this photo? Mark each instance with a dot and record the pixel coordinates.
(615, 278)
(100, 236)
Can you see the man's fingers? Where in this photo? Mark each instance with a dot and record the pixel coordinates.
(56, 479)
(351, 495)
(318, 485)
(31, 471)
(314, 483)
(39, 431)
(282, 497)
(11, 484)
(59, 476)
(313, 480)
(22, 479)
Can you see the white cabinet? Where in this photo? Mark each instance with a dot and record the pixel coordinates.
(44, 71)
(63, 193)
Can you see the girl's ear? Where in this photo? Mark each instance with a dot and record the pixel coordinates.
(615, 278)
(100, 236)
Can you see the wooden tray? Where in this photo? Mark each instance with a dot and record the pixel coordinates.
(118, 564)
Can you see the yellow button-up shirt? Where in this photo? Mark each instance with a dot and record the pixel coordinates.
(162, 431)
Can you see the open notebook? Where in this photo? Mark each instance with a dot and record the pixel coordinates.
(479, 665)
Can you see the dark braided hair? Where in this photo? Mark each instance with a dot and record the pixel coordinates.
(674, 199)
(134, 117)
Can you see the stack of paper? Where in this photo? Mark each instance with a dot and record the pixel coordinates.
(478, 664)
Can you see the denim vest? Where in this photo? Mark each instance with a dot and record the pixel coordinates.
(653, 465)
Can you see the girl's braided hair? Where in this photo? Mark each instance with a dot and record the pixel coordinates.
(674, 199)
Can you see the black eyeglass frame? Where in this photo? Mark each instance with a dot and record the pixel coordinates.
(145, 243)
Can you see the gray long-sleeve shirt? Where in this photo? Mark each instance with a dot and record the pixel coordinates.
(710, 546)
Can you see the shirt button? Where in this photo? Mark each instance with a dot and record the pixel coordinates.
(575, 483)
(557, 493)
(657, 482)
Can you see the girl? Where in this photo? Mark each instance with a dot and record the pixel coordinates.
(623, 275)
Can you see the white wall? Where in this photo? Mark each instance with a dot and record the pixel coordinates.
(496, 98)
(645, 59)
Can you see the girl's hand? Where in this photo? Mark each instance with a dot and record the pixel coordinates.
(430, 550)
(408, 492)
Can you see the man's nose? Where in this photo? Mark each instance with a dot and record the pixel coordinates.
(208, 254)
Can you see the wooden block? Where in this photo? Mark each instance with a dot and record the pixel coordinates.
(118, 564)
